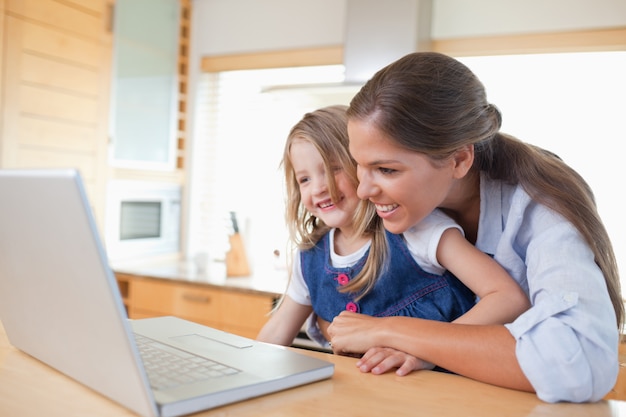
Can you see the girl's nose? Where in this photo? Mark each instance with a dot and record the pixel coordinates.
(320, 186)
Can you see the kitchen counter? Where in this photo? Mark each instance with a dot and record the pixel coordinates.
(170, 287)
(269, 281)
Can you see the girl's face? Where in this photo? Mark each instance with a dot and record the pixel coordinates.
(313, 180)
(405, 186)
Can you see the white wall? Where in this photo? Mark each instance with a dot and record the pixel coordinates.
(238, 26)
(468, 18)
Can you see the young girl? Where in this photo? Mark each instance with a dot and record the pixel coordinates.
(425, 137)
(347, 261)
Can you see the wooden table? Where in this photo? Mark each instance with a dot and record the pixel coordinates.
(30, 388)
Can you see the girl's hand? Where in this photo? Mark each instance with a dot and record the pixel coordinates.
(379, 360)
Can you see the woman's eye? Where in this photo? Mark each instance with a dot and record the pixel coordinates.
(386, 171)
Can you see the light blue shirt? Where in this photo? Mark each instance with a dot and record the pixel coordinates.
(567, 341)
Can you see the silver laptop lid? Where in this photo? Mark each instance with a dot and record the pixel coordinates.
(59, 300)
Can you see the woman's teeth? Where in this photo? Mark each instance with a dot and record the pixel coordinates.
(385, 208)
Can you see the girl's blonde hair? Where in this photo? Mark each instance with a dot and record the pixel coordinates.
(433, 104)
(326, 129)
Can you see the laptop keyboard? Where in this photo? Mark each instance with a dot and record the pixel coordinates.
(168, 367)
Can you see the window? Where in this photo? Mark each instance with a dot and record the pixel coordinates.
(573, 104)
(244, 118)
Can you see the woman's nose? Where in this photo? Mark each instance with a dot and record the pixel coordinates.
(365, 189)
(361, 191)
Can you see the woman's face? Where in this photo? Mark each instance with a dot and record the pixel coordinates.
(405, 186)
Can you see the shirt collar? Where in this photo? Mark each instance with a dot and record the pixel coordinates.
(491, 220)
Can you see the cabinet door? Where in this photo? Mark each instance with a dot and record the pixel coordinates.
(145, 85)
(245, 314)
(233, 311)
(56, 70)
(149, 298)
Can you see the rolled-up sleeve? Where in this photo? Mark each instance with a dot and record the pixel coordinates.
(567, 341)
(561, 363)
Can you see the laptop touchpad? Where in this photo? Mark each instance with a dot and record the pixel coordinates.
(198, 341)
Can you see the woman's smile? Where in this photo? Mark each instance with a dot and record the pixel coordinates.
(385, 211)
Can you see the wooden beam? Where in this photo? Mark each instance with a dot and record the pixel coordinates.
(577, 41)
(332, 55)
(574, 41)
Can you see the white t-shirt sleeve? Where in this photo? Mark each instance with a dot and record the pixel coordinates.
(423, 240)
(297, 289)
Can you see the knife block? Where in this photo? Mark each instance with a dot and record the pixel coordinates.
(236, 259)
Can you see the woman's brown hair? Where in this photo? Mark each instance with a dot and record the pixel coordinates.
(433, 104)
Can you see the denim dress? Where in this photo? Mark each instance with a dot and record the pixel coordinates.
(402, 289)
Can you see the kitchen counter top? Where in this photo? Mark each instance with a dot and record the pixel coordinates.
(267, 281)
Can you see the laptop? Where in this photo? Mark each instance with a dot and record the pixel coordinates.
(59, 303)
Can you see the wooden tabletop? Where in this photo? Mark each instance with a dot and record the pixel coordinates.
(30, 388)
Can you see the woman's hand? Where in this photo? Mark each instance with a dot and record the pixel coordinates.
(379, 360)
(353, 333)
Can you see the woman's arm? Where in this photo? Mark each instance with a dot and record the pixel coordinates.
(502, 300)
(566, 343)
(482, 352)
(284, 324)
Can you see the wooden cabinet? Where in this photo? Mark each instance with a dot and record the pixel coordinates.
(145, 69)
(54, 88)
(230, 309)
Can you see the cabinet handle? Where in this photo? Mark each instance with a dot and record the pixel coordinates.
(196, 298)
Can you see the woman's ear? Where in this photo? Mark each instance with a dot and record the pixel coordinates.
(463, 160)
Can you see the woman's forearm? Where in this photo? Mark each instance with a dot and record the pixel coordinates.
(482, 352)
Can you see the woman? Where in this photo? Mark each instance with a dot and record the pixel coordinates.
(425, 137)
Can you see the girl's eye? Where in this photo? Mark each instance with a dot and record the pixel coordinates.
(303, 180)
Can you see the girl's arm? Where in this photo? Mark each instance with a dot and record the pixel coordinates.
(285, 323)
(486, 353)
(502, 300)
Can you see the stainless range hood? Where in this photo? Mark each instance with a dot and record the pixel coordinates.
(377, 33)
